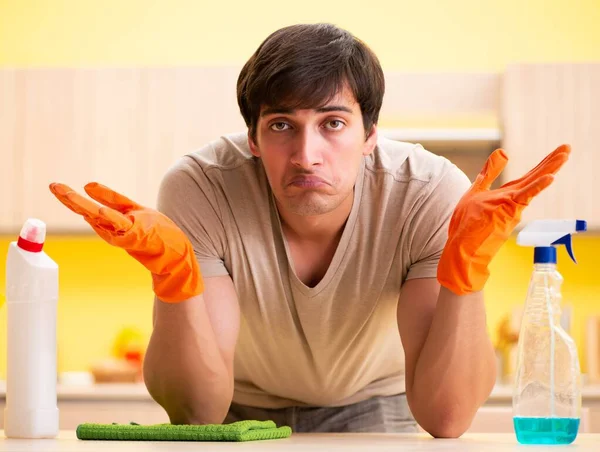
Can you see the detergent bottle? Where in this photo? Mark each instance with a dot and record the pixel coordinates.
(31, 301)
(547, 387)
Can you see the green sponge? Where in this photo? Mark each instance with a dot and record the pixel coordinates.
(235, 431)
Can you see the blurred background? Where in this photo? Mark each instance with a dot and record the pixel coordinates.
(116, 91)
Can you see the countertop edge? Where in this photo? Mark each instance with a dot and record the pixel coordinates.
(139, 392)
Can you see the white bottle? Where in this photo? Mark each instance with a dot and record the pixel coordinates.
(31, 300)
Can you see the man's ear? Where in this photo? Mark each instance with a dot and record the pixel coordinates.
(370, 141)
(253, 147)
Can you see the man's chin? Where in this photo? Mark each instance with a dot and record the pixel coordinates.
(310, 205)
(309, 202)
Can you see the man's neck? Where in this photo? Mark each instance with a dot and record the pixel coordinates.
(316, 228)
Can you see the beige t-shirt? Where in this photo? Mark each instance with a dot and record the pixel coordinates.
(338, 342)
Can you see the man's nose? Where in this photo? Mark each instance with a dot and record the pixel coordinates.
(308, 150)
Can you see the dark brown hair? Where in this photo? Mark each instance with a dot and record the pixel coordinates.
(305, 66)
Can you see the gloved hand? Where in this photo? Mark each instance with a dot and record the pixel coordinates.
(484, 219)
(145, 234)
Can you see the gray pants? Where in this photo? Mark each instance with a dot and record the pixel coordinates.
(378, 414)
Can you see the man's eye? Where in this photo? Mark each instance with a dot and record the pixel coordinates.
(279, 126)
(335, 124)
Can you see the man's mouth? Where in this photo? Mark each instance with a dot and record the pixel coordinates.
(308, 181)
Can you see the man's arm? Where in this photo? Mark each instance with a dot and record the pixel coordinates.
(450, 360)
(188, 368)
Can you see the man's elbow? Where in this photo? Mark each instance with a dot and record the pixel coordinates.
(179, 416)
(186, 403)
(448, 423)
(187, 411)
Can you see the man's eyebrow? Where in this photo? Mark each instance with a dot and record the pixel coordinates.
(288, 111)
(328, 108)
(276, 111)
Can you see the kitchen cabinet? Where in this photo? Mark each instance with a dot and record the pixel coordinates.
(123, 127)
(10, 165)
(130, 402)
(544, 106)
(467, 148)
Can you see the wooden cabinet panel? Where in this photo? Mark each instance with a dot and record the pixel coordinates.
(186, 108)
(545, 105)
(123, 127)
(55, 142)
(11, 117)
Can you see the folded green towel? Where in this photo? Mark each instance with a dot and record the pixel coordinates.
(235, 431)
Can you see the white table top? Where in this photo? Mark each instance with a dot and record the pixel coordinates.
(364, 442)
(138, 391)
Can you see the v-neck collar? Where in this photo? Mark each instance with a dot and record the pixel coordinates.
(342, 246)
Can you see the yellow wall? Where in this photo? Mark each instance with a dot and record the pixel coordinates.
(102, 289)
(409, 35)
(510, 272)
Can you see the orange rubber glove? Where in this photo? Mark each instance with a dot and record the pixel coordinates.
(484, 219)
(145, 234)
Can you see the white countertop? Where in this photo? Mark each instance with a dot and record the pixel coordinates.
(364, 442)
(97, 391)
(138, 391)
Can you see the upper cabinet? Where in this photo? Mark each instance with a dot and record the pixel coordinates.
(544, 106)
(124, 127)
(121, 127)
(451, 114)
(10, 164)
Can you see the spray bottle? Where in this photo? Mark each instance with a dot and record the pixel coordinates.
(547, 391)
(31, 300)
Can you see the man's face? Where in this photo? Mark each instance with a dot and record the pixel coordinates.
(312, 157)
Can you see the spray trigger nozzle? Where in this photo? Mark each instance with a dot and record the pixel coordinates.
(544, 235)
(566, 240)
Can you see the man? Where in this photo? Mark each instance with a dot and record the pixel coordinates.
(310, 272)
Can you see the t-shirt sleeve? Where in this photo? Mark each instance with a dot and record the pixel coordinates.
(429, 226)
(187, 196)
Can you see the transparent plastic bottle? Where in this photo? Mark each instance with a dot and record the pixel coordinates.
(547, 387)
(547, 393)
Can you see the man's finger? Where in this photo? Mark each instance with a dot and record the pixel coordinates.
(103, 217)
(491, 170)
(117, 222)
(527, 193)
(549, 165)
(74, 200)
(110, 198)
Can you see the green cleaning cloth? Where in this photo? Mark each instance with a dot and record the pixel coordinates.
(235, 431)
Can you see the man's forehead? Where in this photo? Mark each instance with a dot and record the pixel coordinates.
(342, 100)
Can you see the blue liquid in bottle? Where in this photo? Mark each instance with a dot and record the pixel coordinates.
(546, 430)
